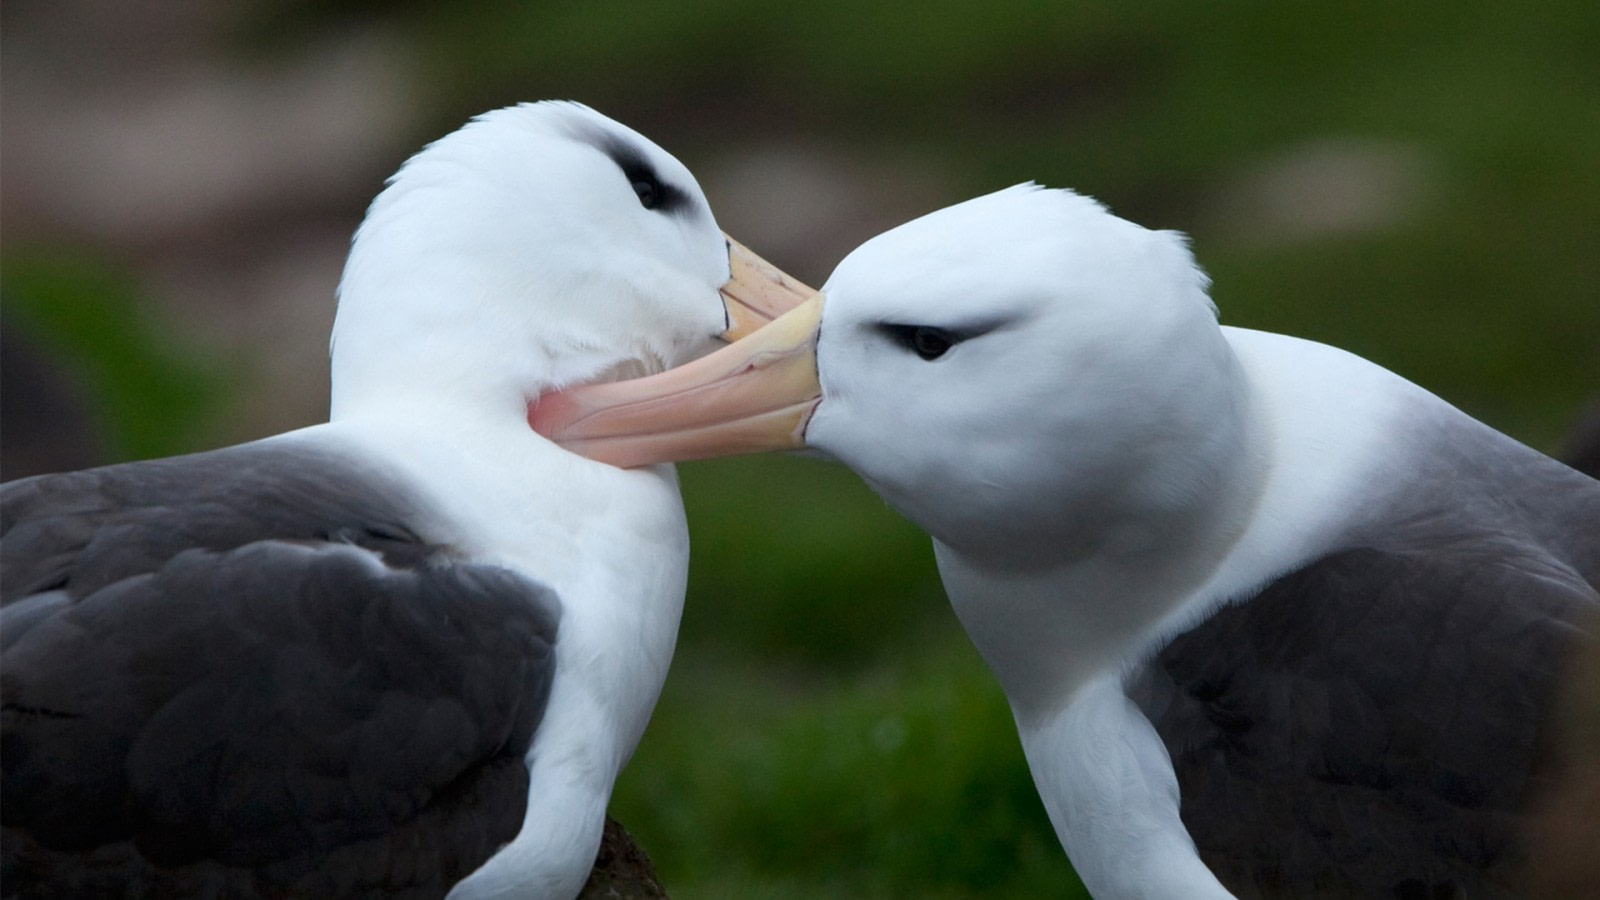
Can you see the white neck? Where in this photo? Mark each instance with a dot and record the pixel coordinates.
(418, 334)
(1045, 629)
(1283, 467)
(1061, 640)
(1108, 785)
(511, 498)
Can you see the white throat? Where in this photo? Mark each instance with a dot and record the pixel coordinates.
(1117, 570)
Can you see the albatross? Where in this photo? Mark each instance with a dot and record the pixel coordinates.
(1271, 620)
(405, 652)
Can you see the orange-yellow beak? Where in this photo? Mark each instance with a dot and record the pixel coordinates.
(756, 394)
(757, 292)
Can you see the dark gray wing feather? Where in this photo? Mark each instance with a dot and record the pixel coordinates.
(241, 673)
(1378, 723)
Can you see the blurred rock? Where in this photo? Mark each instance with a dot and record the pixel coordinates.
(1322, 188)
(804, 204)
(1562, 862)
(229, 183)
(142, 143)
(1582, 449)
(621, 870)
(271, 312)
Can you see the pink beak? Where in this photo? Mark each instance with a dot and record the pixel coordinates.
(757, 291)
(757, 394)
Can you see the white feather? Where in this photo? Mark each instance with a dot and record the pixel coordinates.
(506, 258)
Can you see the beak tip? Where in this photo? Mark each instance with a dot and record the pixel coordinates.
(756, 292)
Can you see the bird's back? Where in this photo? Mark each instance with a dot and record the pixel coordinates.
(241, 673)
(1381, 720)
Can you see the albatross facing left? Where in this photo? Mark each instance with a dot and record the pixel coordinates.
(1272, 620)
(410, 647)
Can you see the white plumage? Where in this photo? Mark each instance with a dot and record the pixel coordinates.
(402, 614)
(1271, 620)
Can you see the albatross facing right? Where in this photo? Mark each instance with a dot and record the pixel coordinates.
(1272, 620)
(403, 653)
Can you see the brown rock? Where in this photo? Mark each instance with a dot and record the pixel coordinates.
(622, 871)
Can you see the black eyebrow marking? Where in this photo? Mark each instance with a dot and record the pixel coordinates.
(670, 198)
(956, 331)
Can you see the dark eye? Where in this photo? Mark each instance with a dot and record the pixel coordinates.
(648, 189)
(923, 340)
(654, 192)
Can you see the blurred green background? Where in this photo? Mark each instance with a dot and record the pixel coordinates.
(1417, 183)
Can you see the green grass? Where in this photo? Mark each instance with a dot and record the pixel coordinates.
(152, 397)
(903, 780)
(826, 730)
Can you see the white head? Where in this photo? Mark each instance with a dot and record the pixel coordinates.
(1020, 364)
(1020, 370)
(540, 245)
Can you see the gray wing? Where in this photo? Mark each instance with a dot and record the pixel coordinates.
(240, 674)
(1378, 722)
